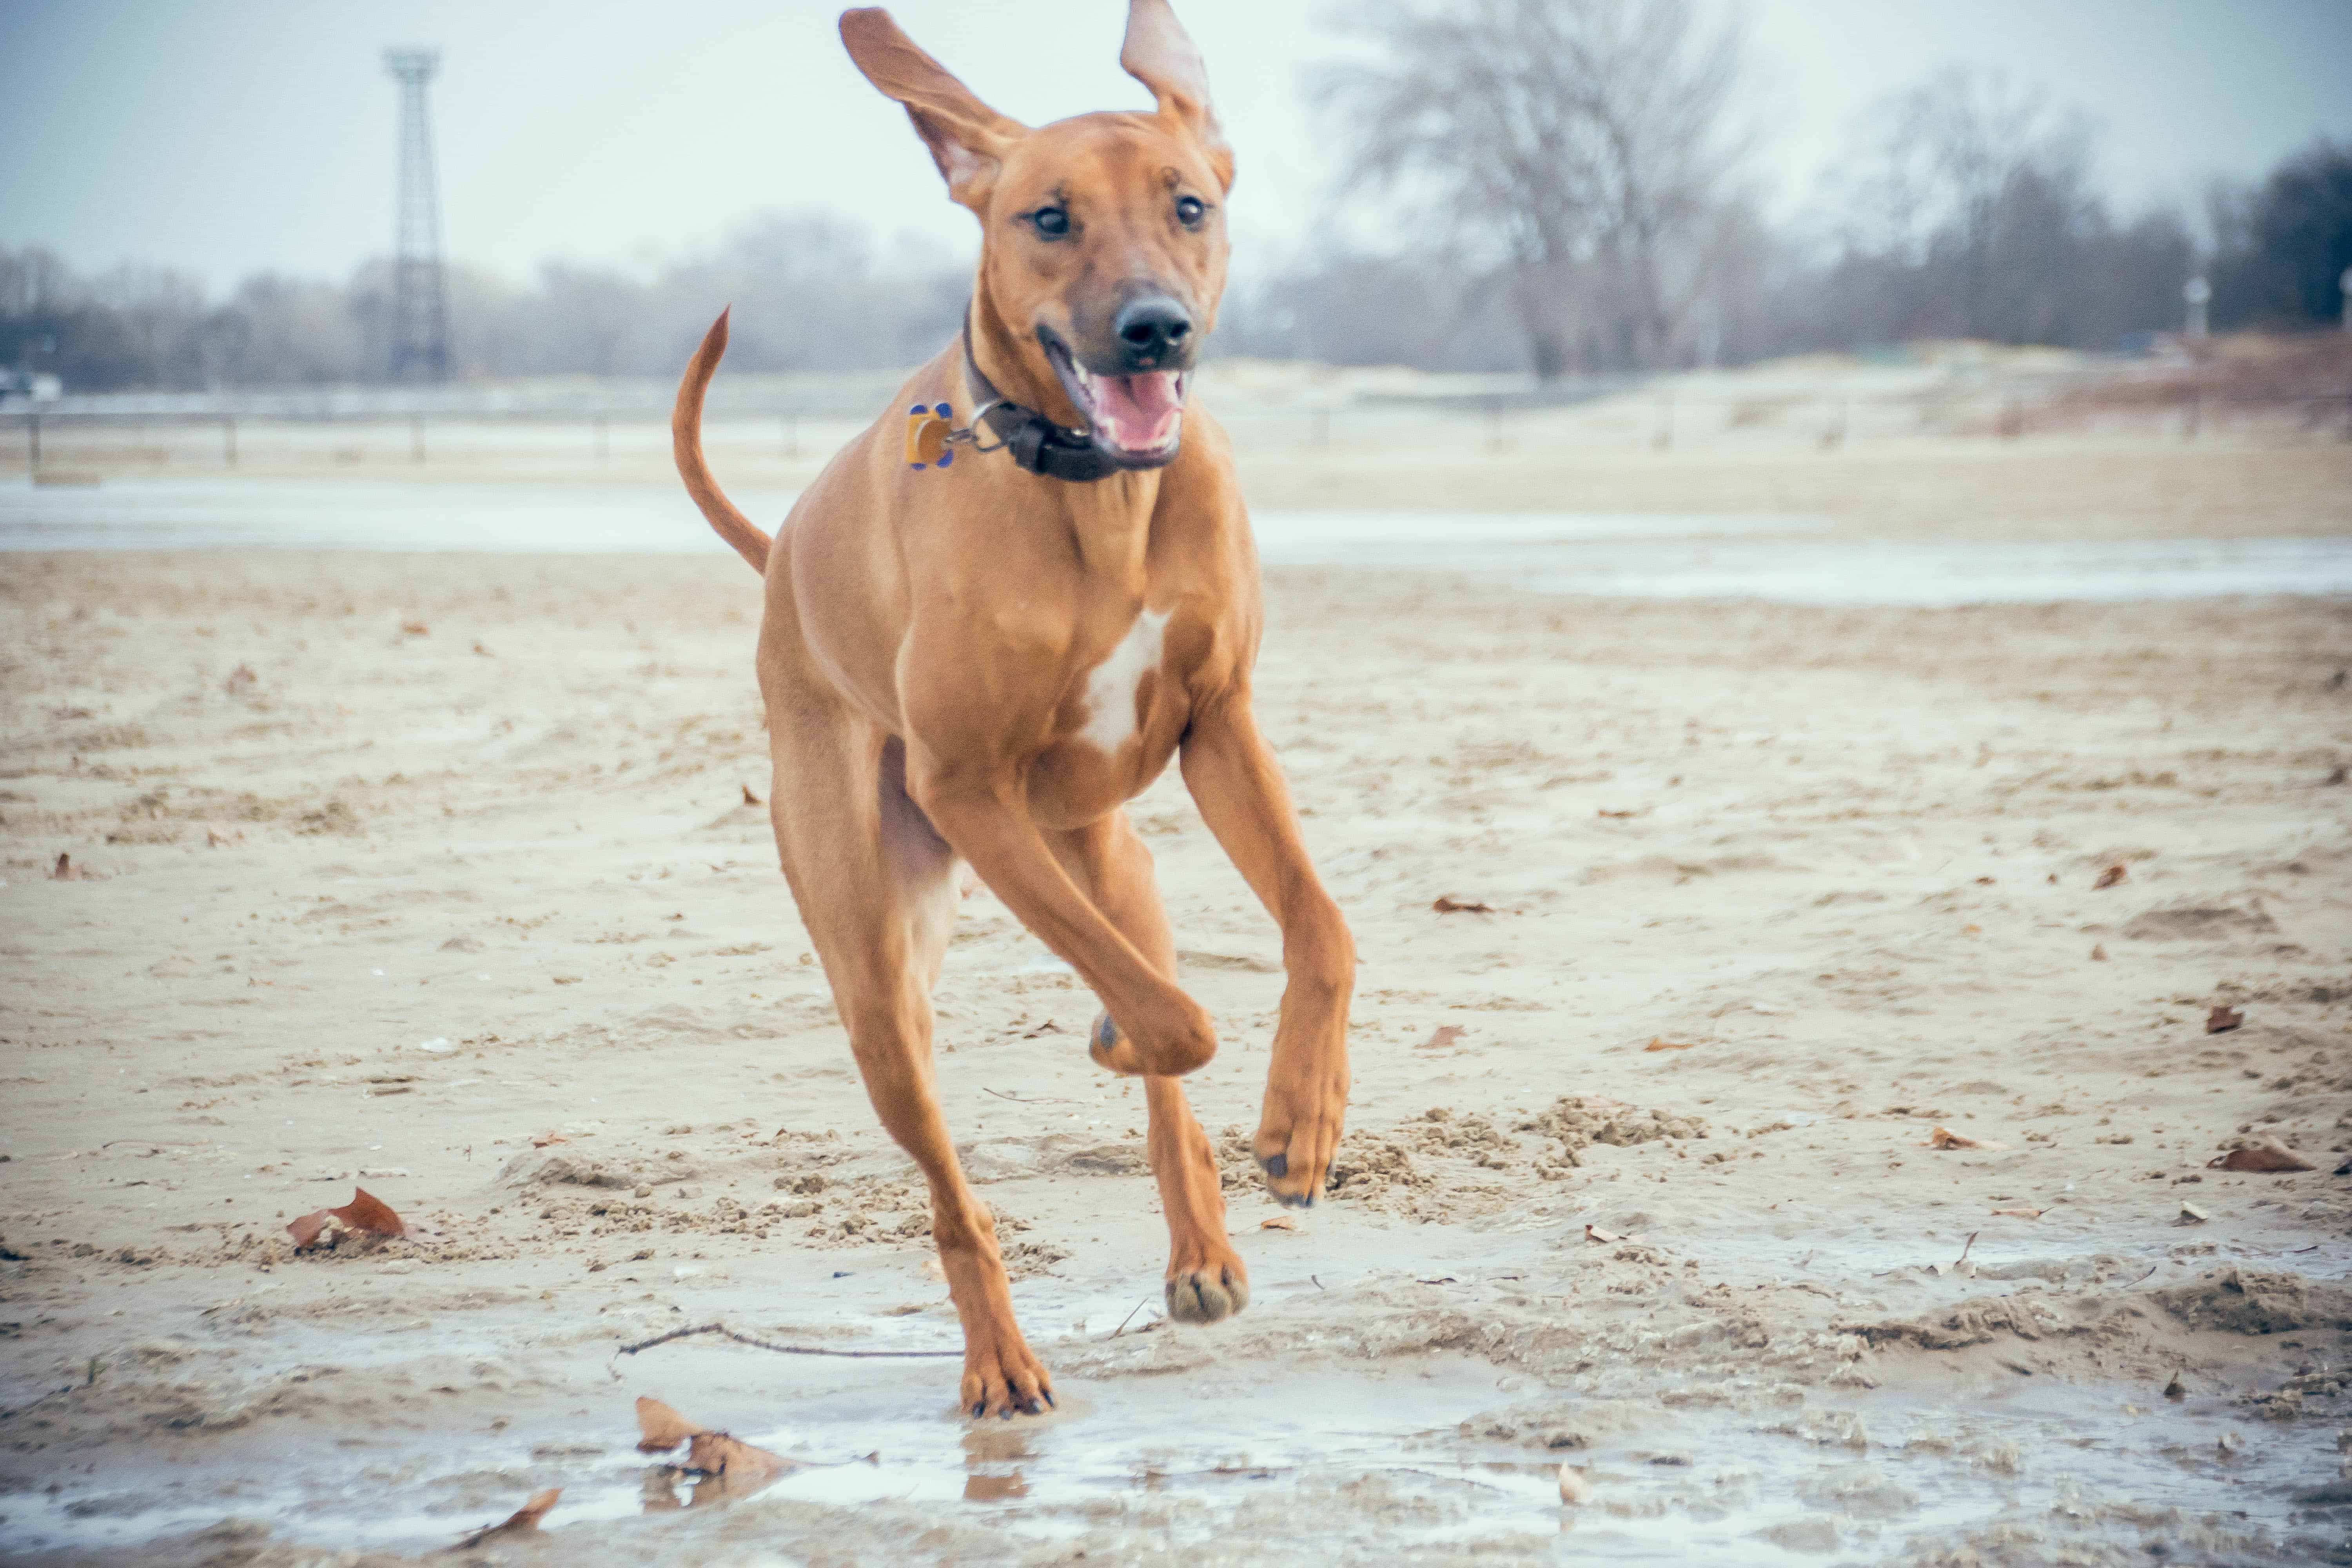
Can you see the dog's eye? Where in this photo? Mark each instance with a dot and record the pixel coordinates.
(1051, 222)
(1191, 210)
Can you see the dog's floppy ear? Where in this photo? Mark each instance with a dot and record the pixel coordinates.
(1159, 54)
(967, 140)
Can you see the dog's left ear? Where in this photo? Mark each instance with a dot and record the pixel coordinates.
(1159, 54)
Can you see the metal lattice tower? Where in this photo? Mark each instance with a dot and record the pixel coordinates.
(420, 312)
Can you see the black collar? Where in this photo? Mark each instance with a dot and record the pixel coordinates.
(1036, 443)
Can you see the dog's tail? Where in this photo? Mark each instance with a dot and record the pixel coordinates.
(685, 445)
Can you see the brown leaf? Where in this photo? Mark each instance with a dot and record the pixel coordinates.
(365, 1213)
(542, 1140)
(750, 799)
(1444, 1035)
(2111, 876)
(2269, 1157)
(659, 1427)
(414, 628)
(2098, 953)
(1447, 904)
(524, 1520)
(1659, 1043)
(1621, 815)
(1279, 1222)
(709, 1453)
(1944, 1138)
(2222, 1020)
(2020, 1214)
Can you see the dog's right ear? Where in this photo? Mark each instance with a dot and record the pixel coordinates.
(967, 140)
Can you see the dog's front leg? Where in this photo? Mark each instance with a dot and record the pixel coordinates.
(981, 811)
(1239, 787)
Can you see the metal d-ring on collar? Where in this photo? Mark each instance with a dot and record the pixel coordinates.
(1036, 443)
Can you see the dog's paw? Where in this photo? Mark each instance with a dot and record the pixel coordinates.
(1003, 1377)
(1208, 1294)
(1298, 1132)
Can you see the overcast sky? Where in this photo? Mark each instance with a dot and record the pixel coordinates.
(227, 136)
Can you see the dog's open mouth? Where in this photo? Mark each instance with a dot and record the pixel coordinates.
(1137, 419)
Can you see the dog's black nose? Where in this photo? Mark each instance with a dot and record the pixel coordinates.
(1152, 331)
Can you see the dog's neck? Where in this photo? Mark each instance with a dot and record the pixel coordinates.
(1111, 519)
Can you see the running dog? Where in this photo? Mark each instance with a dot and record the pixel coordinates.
(994, 617)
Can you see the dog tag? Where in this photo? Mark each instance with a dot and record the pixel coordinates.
(927, 436)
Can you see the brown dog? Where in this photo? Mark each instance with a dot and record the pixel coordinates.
(979, 648)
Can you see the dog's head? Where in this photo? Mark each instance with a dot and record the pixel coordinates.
(1103, 249)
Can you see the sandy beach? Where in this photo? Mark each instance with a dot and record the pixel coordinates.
(440, 875)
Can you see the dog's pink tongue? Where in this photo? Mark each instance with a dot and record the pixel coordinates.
(1137, 413)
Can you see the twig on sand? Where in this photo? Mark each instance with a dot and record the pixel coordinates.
(724, 1332)
(1130, 1317)
(1963, 1257)
(1025, 1100)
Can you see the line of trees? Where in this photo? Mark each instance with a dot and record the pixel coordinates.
(1566, 187)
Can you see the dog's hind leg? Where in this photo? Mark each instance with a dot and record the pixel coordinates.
(875, 887)
(1206, 1279)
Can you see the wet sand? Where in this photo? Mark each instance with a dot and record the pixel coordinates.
(404, 900)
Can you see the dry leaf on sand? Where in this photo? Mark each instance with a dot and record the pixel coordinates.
(750, 799)
(2268, 1157)
(1944, 1138)
(365, 1213)
(524, 1520)
(1659, 1043)
(2110, 876)
(1279, 1222)
(1447, 904)
(1444, 1035)
(2020, 1214)
(414, 628)
(542, 1140)
(2222, 1020)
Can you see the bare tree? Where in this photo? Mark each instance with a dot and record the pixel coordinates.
(1579, 147)
(1979, 186)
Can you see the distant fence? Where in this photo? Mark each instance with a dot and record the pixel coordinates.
(1658, 420)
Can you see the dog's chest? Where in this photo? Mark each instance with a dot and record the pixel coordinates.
(1113, 690)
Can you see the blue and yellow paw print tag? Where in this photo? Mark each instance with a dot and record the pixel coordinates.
(927, 435)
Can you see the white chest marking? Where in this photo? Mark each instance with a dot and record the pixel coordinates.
(1111, 685)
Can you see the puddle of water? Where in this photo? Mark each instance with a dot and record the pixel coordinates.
(1614, 555)
(1167, 1458)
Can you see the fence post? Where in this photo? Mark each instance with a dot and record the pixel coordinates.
(228, 439)
(417, 437)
